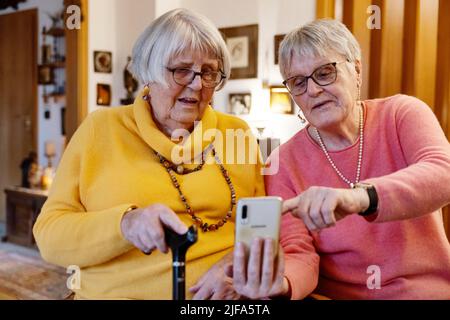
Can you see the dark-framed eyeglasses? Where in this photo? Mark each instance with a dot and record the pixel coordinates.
(323, 76)
(185, 76)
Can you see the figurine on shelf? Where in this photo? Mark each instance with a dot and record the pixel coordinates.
(130, 83)
(57, 19)
(26, 168)
(35, 176)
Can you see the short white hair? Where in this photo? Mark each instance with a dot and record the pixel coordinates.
(318, 39)
(170, 35)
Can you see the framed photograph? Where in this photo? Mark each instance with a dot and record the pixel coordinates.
(103, 94)
(242, 42)
(280, 100)
(276, 45)
(239, 103)
(103, 61)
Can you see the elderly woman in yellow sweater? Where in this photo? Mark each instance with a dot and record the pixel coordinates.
(121, 179)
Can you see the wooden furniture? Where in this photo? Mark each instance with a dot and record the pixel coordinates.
(22, 209)
(76, 70)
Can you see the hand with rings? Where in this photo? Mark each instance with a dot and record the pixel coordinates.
(144, 227)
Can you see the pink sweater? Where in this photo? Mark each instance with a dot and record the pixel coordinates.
(407, 157)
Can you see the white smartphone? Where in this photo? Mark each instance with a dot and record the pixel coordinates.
(258, 217)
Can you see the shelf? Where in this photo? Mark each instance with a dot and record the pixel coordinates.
(56, 96)
(47, 76)
(55, 65)
(55, 32)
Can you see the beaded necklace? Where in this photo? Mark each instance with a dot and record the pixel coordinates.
(173, 169)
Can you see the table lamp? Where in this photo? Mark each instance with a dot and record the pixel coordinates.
(50, 152)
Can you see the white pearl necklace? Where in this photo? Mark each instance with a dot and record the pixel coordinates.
(361, 143)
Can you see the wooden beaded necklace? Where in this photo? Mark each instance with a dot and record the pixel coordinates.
(173, 169)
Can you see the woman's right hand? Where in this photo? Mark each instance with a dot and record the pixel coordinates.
(144, 227)
(321, 207)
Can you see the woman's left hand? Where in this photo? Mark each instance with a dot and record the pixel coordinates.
(216, 283)
(321, 207)
(259, 274)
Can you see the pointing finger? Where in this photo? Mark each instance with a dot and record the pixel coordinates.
(289, 205)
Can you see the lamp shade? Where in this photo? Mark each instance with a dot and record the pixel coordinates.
(50, 149)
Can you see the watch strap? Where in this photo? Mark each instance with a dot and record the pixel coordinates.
(373, 201)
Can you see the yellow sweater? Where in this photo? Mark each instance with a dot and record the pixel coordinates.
(108, 166)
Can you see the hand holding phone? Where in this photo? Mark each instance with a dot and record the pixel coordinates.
(258, 269)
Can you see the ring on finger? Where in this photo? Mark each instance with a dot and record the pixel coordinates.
(148, 252)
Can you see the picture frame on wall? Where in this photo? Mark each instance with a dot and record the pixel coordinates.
(276, 45)
(239, 103)
(103, 94)
(242, 43)
(103, 61)
(280, 100)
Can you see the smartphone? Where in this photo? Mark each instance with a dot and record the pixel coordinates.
(258, 217)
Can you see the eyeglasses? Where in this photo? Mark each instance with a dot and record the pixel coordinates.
(323, 76)
(184, 76)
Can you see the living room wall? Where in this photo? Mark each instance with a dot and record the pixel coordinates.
(114, 25)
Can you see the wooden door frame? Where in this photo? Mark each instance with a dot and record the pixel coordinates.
(35, 121)
(355, 18)
(325, 9)
(77, 71)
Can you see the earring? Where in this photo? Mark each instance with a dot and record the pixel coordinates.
(302, 119)
(147, 96)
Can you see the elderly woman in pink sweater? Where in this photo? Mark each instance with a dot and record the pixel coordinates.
(363, 183)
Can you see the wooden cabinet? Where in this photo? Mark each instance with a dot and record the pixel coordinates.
(22, 209)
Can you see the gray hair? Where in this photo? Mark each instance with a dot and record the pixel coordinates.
(171, 34)
(318, 39)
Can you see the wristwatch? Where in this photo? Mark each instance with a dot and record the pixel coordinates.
(373, 198)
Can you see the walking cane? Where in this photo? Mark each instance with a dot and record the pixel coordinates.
(179, 244)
